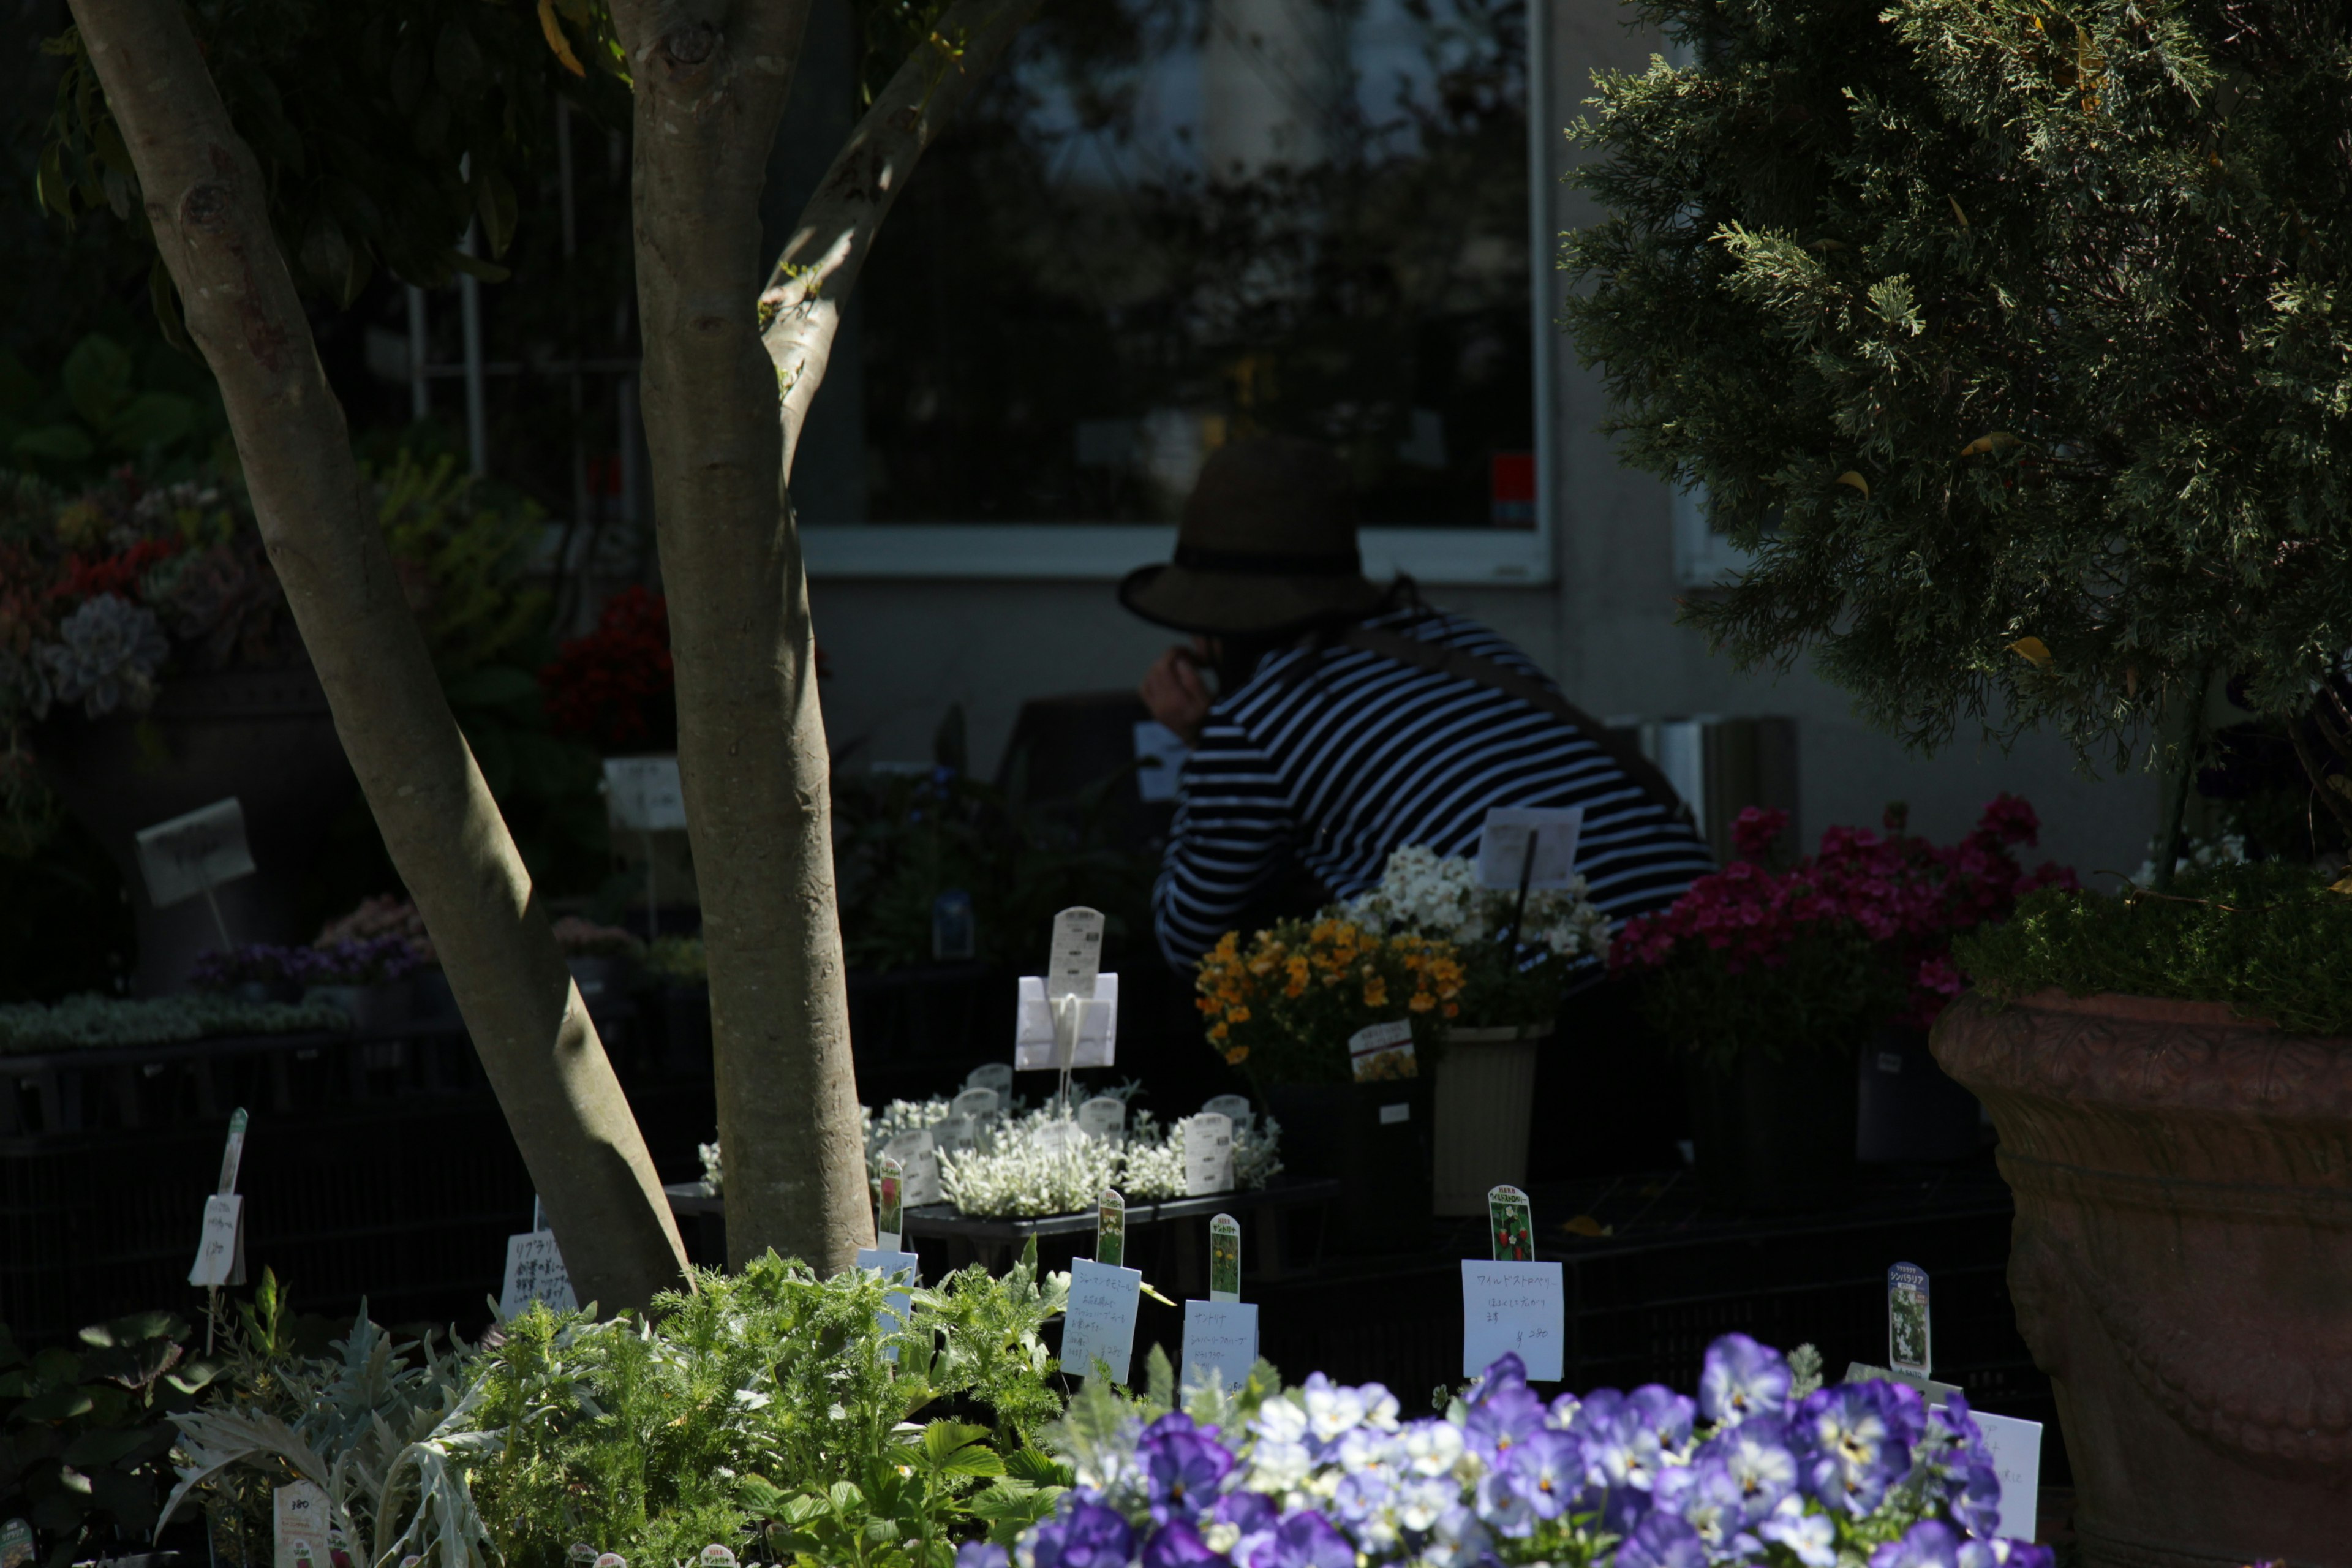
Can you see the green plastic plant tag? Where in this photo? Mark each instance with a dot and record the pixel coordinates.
(1224, 1258)
(1512, 1224)
(1110, 1229)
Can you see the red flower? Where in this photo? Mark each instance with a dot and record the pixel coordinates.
(614, 688)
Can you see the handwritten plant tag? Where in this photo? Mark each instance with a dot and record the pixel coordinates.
(1110, 1228)
(1234, 1106)
(890, 1205)
(2016, 1449)
(1220, 1344)
(302, 1526)
(1521, 1308)
(192, 853)
(645, 794)
(1208, 1155)
(891, 1265)
(220, 1249)
(997, 1076)
(919, 1158)
(1100, 1325)
(1907, 1347)
(1503, 847)
(952, 1134)
(16, 1544)
(535, 1272)
(1104, 1117)
(1092, 1024)
(979, 1104)
(1512, 1224)
(1224, 1258)
(1382, 1051)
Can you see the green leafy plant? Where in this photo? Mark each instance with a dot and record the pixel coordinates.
(2270, 939)
(87, 1435)
(105, 405)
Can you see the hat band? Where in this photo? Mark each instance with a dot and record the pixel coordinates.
(1252, 563)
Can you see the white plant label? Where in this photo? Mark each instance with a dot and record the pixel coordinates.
(1208, 1154)
(645, 794)
(1220, 1344)
(1075, 956)
(891, 1265)
(1100, 1322)
(302, 1527)
(1503, 847)
(1908, 1349)
(1158, 760)
(220, 1249)
(997, 1076)
(194, 853)
(1382, 1051)
(1235, 1108)
(919, 1158)
(953, 1135)
(1521, 1308)
(978, 1104)
(16, 1543)
(535, 1273)
(1057, 1137)
(1037, 1042)
(1103, 1117)
(2016, 1449)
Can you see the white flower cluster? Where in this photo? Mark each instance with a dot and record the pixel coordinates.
(1016, 1169)
(1439, 896)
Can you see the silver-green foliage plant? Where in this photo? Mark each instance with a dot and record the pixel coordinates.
(93, 1021)
(2012, 338)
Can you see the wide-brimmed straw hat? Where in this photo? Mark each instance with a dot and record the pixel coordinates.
(1267, 543)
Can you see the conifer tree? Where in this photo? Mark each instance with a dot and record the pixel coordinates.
(2012, 339)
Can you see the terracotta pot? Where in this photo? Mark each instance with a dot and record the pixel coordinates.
(2182, 1265)
(262, 735)
(1486, 1095)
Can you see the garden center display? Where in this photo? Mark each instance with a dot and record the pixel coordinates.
(1770, 981)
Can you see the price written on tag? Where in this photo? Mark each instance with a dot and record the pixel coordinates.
(220, 1250)
(302, 1527)
(1037, 1046)
(2016, 1449)
(1075, 956)
(1104, 1117)
(1503, 847)
(204, 849)
(1208, 1154)
(1100, 1323)
(1220, 1344)
(1520, 1308)
(891, 1265)
(535, 1272)
(919, 1160)
(645, 794)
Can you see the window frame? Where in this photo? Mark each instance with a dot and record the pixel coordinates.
(1513, 557)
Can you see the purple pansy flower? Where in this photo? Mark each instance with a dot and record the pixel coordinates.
(1661, 1540)
(1176, 1544)
(1182, 1466)
(1549, 1467)
(1854, 1441)
(1507, 1417)
(1082, 1534)
(1755, 1455)
(1304, 1540)
(982, 1554)
(1930, 1543)
(1742, 1379)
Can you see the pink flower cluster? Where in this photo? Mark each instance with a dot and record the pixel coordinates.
(1895, 889)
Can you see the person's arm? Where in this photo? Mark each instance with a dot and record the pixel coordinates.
(1232, 838)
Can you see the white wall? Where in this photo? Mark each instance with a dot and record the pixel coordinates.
(903, 649)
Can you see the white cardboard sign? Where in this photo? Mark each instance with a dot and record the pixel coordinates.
(535, 1273)
(890, 1266)
(1503, 847)
(220, 1251)
(302, 1527)
(1208, 1154)
(1100, 1322)
(918, 1159)
(1160, 754)
(1516, 1307)
(187, 855)
(645, 794)
(1220, 1343)
(1035, 1047)
(2016, 1449)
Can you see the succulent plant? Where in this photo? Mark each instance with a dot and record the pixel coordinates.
(107, 656)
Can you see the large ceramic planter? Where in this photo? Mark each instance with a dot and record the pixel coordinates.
(262, 735)
(1485, 1094)
(2182, 1265)
(1773, 1136)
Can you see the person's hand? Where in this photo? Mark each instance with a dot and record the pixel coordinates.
(1172, 689)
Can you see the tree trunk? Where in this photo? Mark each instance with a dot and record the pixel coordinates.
(752, 745)
(204, 196)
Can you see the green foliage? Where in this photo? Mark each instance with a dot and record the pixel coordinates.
(1983, 322)
(85, 1442)
(1833, 989)
(92, 1021)
(101, 405)
(2270, 939)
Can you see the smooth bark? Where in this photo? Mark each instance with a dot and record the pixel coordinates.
(204, 197)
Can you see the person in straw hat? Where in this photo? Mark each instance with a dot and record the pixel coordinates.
(1330, 721)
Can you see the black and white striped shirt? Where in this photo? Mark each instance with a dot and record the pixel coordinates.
(1370, 755)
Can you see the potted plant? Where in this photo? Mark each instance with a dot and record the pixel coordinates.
(1283, 1007)
(1513, 981)
(390, 916)
(1772, 981)
(366, 978)
(602, 959)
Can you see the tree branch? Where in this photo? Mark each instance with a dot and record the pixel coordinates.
(206, 201)
(828, 249)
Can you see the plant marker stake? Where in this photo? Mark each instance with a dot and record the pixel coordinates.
(1224, 1258)
(232, 1157)
(1510, 1226)
(1110, 1229)
(1520, 909)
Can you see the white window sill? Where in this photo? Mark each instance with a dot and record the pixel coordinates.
(1105, 552)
